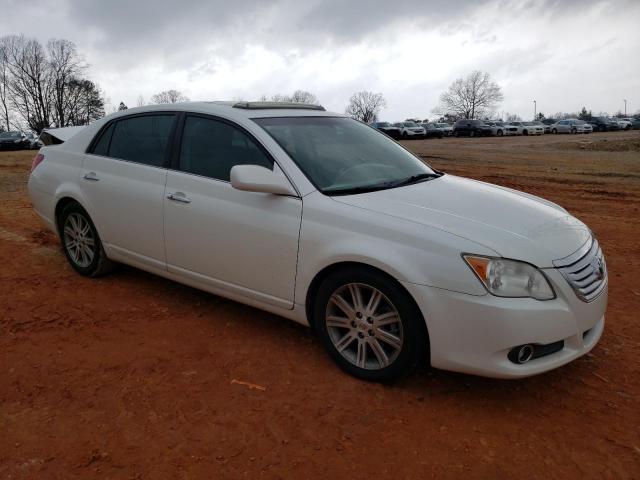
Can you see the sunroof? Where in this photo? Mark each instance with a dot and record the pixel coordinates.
(277, 105)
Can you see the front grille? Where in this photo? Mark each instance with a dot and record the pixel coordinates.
(585, 270)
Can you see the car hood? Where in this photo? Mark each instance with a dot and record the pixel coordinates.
(512, 224)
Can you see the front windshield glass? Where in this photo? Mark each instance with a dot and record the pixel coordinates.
(410, 124)
(383, 124)
(342, 155)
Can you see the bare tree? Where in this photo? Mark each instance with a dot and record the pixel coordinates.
(30, 83)
(141, 102)
(299, 96)
(85, 102)
(302, 96)
(4, 83)
(65, 66)
(365, 106)
(475, 96)
(169, 96)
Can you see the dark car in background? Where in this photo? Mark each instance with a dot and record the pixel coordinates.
(471, 128)
(386, 127)
(601, 124)
(14, 141)
(431, 130)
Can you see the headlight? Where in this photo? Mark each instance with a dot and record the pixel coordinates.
(510, 278)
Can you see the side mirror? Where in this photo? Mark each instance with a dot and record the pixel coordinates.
(253, 178)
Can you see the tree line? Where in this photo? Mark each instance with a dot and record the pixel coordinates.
(45, 86)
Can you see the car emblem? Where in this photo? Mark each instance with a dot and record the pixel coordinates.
(598, 268)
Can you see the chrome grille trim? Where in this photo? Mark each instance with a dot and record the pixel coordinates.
(585, 270)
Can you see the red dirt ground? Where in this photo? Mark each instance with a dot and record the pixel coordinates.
(132, 376)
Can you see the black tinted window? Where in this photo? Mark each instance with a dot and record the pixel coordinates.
(101, 147)
(211, 148)
(142, 139)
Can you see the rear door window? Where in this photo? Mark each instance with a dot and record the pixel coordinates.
(141, 139)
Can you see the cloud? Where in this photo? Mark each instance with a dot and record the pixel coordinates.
(563, 53)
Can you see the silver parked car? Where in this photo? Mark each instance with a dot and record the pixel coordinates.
(571, 125)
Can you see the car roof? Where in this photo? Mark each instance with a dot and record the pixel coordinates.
(238, 110)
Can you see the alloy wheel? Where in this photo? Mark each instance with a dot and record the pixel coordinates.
(364, 326)
(79, 240)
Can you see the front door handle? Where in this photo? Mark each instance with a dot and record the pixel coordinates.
(91, 176)
(179, 197)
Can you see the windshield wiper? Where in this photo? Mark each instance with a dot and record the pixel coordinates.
(420, 177)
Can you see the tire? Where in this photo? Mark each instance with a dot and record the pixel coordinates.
(87, 258)
(404, 135)
(380, 353)
(525, 132)
(455, 134)
(472, 133)
(554, 131)
(499, 133)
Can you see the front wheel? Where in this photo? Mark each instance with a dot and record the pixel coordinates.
(472, 133)
(81, 243)
(554, 131)
(574, 131)
(499, 133)
(369, 325)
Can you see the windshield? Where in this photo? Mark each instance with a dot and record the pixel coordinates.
(410, 124)
(383, 124)
(341, 155)
(10, 135)
(442, 125)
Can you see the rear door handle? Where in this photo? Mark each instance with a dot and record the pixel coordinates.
(91, 176)
(179, 197)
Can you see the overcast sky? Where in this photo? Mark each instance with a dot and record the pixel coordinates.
(562, 53)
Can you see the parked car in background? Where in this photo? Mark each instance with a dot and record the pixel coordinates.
(545, 128)
(410, 130)
(571, 125)
(431, 131)
(471, 128)
(386, 127)
(14, 140)
(532, 128)
(601, 124)
(447, 129)
(34, 141)
(623, 123)
(498, 128)
(316, 217)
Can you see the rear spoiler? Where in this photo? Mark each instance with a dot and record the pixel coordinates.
(56, 136)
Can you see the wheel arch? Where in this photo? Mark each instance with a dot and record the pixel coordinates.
(334, 267)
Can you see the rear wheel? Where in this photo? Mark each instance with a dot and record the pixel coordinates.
(472, 133)
(574, 131)
(369, 325)
(554, 131)
(525, 132)
(499, 133)
(404, 135)
(81, 243)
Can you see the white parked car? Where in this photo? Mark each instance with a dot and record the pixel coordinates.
(571, 125)
(410, 130)
(326, 221)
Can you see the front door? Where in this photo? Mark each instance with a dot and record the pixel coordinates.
(242, 243)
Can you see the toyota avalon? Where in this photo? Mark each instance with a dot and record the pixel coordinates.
(326, 221)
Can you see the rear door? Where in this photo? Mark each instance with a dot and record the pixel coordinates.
(123, 181)
(239, 243)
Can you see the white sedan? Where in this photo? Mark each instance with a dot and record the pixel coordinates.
(324, 220)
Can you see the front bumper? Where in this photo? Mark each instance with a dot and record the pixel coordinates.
(474, 334)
